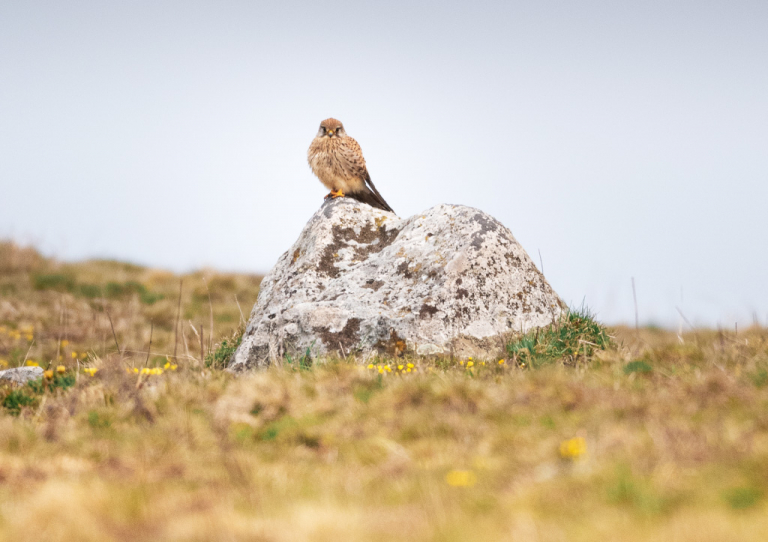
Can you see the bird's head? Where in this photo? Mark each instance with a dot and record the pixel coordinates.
(331, 128)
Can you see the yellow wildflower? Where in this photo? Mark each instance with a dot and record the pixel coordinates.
(61, 369)
(135, 370)
(3, 363)
(64, 343)
(470, 363)
(167, 364)
(573, 448)
(410, 365)
(31, 363)
(461, 478)
(29, 337)
(400, 367)
(470, 358)
(74, 355)
(461, 362)
(389, 369)
(48, 374)
(90, 370)
(501, 362)
(174, 367)
(409, 370)
(381, 370)
(370, 366)
(83, 355)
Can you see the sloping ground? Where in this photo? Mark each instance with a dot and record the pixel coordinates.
(62, 313)
(656, 437)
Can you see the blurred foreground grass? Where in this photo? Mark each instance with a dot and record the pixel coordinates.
(654, 437)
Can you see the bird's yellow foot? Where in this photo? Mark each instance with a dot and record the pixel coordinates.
(335, 194)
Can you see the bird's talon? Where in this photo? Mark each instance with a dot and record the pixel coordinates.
(336, 194)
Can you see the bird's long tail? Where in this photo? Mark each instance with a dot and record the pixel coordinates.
(372, 199)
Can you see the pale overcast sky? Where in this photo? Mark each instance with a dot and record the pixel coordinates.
(619, 139)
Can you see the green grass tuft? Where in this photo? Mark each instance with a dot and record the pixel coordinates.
(577, 335)
(29, 395)
(741, 498)
(220, 356)
(55, 281)
(638, 366)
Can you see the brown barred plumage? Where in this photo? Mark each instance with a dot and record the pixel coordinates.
(338, 162)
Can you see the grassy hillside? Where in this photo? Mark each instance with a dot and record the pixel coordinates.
(576, 433)
(59, 313)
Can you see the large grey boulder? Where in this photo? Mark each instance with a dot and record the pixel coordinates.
(449, 281)
(21, 375)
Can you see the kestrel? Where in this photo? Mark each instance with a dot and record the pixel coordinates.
(338, 162)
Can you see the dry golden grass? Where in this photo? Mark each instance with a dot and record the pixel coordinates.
(659, 438)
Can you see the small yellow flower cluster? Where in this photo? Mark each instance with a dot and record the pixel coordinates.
(31, 363)
(501, 362)
(469, 363)
(460, 478)
(90, 370)
(400, 369)
(13, 334)
(64, 343)
(155, 371)
(49, 373)
(147, 371)
(573, 448)
(28, 331)
(3, 363)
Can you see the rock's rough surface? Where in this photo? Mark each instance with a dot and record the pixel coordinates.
(21, 375)
(361, 280)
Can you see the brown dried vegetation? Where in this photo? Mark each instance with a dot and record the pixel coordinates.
(662, 437)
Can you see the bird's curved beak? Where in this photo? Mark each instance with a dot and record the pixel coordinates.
(330, 133)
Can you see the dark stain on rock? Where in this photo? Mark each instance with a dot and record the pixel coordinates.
(512, 259)
(486, 224)
(427, 311)
(402, 269)
(370, 240)
(348, 338)
(461, 293)
(395, 346)
(373, 284)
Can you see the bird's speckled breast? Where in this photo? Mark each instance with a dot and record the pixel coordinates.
(329, 168)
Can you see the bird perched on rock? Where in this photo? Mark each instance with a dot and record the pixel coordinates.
(338, 162)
